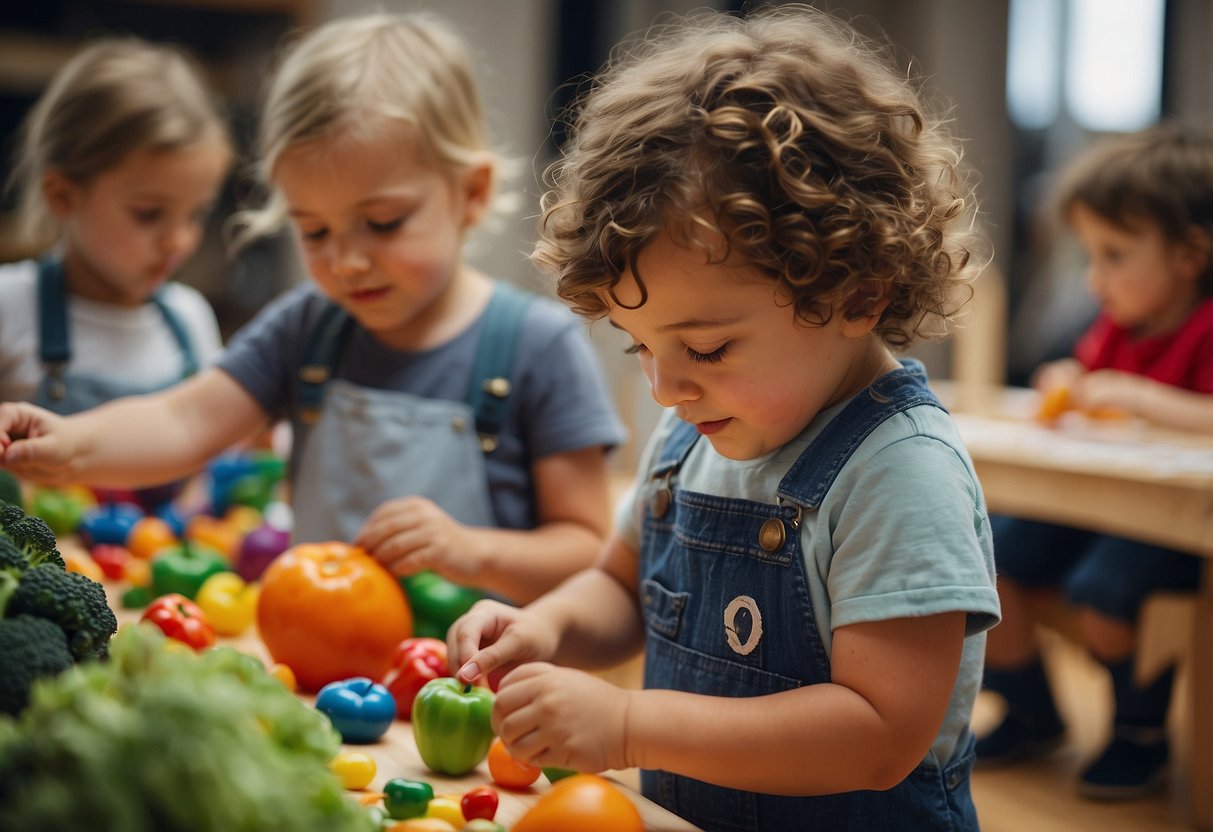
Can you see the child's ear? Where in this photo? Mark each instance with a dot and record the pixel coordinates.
(476, 180)
(862, 311)
(59, 192)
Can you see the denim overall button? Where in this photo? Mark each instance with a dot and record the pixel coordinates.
(772, 535)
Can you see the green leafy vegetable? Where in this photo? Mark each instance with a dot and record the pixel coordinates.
(163, 740)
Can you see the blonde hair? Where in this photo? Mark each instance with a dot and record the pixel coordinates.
(357, 75)
(114, 97)
(784, 135)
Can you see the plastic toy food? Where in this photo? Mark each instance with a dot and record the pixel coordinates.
(479, 803)
(415, 662)
(109, 523)
(508, 771)
(360, 710)
(180, 618)
(331, 612)
(585, 802)
(436, 602)
(184, 567)
(259, 547)
(229, 602)
(452, 725)
(406, 798)
(355, 770)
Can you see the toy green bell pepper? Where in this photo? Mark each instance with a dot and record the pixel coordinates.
(405, 799)
(452, 725)
(184, 568)
(436, 603)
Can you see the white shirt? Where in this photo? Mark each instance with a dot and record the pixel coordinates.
(134, 344)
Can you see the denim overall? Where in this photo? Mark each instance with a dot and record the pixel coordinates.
(356, 447)
(728, 613)
(66, 393)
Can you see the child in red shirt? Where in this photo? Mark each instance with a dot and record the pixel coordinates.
(1142, 208)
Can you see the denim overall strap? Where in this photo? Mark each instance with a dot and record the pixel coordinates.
(493, 363)
(728, 612)
(189, 359)
(66, 392)
(320, 356)
(54, 339)
(811, 476)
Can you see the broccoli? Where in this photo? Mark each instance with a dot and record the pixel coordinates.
(29, 647)
(74, 602)
(11, 557)
(31, 535)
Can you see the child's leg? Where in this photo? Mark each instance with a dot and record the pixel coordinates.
(1029, 555)
(1111, 586)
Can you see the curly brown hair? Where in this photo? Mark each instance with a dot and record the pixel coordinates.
(1162, 175)
(791, 138)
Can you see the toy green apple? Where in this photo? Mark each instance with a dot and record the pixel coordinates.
(184, 567)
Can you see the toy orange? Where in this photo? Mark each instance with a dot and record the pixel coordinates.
(1054, 403)
(585, 802)
(149, 535)
(329, 611)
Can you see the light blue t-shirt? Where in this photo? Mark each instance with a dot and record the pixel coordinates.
(903, 532)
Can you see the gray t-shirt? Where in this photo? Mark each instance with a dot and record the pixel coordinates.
(558, 401)
(902, 532)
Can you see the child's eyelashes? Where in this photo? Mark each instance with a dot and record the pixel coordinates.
(714, 357)
(147, 216)
(385, 227)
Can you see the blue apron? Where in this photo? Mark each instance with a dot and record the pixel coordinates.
(66, 392)
(356, 447)
(728, 613)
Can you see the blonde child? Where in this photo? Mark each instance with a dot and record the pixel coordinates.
(441, 420)
(766, 209)
(1142, 207)
(120, 162)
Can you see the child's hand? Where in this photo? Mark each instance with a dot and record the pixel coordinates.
(34, 445)
(1057, 375)
(412, 534)
(492, 639)
(554, 716)
(1108, 391)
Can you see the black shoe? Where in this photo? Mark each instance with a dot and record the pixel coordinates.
(1014, 740)
(1134, 765)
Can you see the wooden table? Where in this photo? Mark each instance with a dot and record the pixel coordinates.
(1120, 477)
(396, 755)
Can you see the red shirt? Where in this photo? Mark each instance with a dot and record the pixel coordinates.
(1183, 358)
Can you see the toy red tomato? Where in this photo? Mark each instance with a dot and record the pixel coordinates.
(415, 662)
(180, 618)
(329, 611)
(480, 802)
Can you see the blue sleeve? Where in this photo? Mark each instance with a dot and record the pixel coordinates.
(566, 405)
(263, 357)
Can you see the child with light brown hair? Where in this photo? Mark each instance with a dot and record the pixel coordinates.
(119, 164)
(443, 420)
(765, 206)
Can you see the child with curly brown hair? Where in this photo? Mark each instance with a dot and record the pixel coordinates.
(767, 209)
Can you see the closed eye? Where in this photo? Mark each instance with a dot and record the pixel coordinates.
(385, 227)
(713, 357)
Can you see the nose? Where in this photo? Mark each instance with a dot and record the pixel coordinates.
(347, 259)
(670, 385)
(181, 238)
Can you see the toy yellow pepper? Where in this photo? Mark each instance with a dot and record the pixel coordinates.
(229, 602)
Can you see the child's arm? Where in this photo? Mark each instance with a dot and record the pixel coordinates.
(866, 729)
(1136, 395)
(135, 441)
(411, 533)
